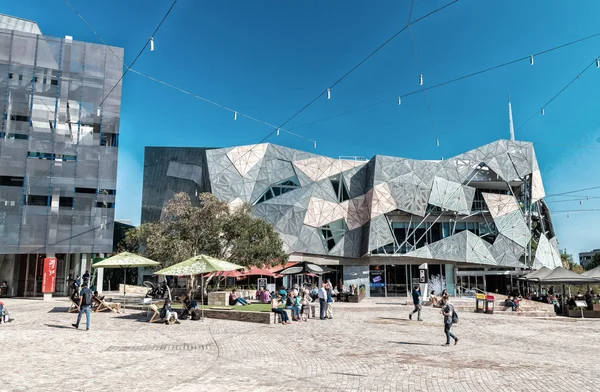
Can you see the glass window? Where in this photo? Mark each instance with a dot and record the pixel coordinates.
(278, 189)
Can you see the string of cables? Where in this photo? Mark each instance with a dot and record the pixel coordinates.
(236, 113)
(470, 75)
(150, 42)
(412, 40)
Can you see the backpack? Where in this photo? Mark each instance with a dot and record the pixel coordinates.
(87, 297)
(195, 314)
(454, 316)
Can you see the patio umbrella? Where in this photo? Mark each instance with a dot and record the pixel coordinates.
(561, 275)
(125, 260)
(537, 274)
(199, 265)
(303, 268)
(593, 273)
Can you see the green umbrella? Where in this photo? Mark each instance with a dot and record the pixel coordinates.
(125, 260)
(199, 265)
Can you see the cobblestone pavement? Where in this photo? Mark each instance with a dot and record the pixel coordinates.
(366, 347)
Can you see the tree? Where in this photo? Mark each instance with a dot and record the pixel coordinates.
(568, 263)
(212, 229)
(594, 263)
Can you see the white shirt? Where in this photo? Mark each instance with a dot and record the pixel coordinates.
(322, 293)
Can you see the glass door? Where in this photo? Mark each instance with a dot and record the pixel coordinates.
(396, 280)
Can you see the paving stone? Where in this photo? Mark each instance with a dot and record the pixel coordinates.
(370, 346)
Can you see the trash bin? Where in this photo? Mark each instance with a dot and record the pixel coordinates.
(489, 304)
(479, 303)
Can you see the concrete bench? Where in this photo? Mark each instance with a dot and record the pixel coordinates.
(221, 298)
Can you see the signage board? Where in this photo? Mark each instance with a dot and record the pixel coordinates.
(49, 275)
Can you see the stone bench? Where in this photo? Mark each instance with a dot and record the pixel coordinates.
(221, 298)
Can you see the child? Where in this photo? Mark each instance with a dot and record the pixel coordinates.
(305, 310)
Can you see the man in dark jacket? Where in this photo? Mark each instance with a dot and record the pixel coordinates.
(85, 303)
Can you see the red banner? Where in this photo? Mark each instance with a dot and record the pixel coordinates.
(49, 278)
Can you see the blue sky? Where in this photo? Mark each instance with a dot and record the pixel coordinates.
(269, 58)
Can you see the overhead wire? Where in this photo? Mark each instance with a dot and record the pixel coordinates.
(412, 40)
(365, 60)
(457, 79)
(136, 57)
(557, 94)
(573, 191)
(236, 113)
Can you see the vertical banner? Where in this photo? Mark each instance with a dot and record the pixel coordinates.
(49, 277)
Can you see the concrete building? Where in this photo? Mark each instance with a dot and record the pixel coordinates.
(471, 218)
(586, 257)
(58, 153)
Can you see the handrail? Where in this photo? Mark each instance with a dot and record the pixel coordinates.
(460, 290)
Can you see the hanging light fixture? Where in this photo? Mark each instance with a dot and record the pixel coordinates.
(277, 131)
(543, 111)
(580, 202)
(98, 111)
(420, 79)
(235, 115)
(328, 94)
(567, 216)
(399, 100)
(531, 60)
(437, 142)
(597, 63)
(152, 44)
(314, 144)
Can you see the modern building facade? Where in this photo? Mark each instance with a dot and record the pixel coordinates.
(586, 257)
(58, 153)
(478, 220)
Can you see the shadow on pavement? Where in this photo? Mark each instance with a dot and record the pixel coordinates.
(416, 343)
(133, 316)
(59, 309)
(58, 326)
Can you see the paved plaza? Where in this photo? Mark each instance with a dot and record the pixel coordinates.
(369, 346)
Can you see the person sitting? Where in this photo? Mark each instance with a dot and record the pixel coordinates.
(258, 294)
(189, 305)
(336, 294)
(433, 299)
(168, 313)
(96, 300)
(234, 299)
(571, 303)
(290, 303)
(444, 293)
(266, 297)
(1, 312)
(510, 303)
(275, 309)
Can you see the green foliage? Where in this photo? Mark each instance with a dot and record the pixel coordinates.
(594, 263)
(211, 229)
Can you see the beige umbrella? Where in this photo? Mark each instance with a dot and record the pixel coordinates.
(125, 260)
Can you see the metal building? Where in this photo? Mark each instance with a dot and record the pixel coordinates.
(58, 153)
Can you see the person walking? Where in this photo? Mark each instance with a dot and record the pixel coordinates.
(416, 294)
(322, 301)
(447, 311)
(329, 311)
(85, 303)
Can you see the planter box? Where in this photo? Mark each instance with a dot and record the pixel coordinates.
(586, 313)
(596, 307)
(356, 298)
